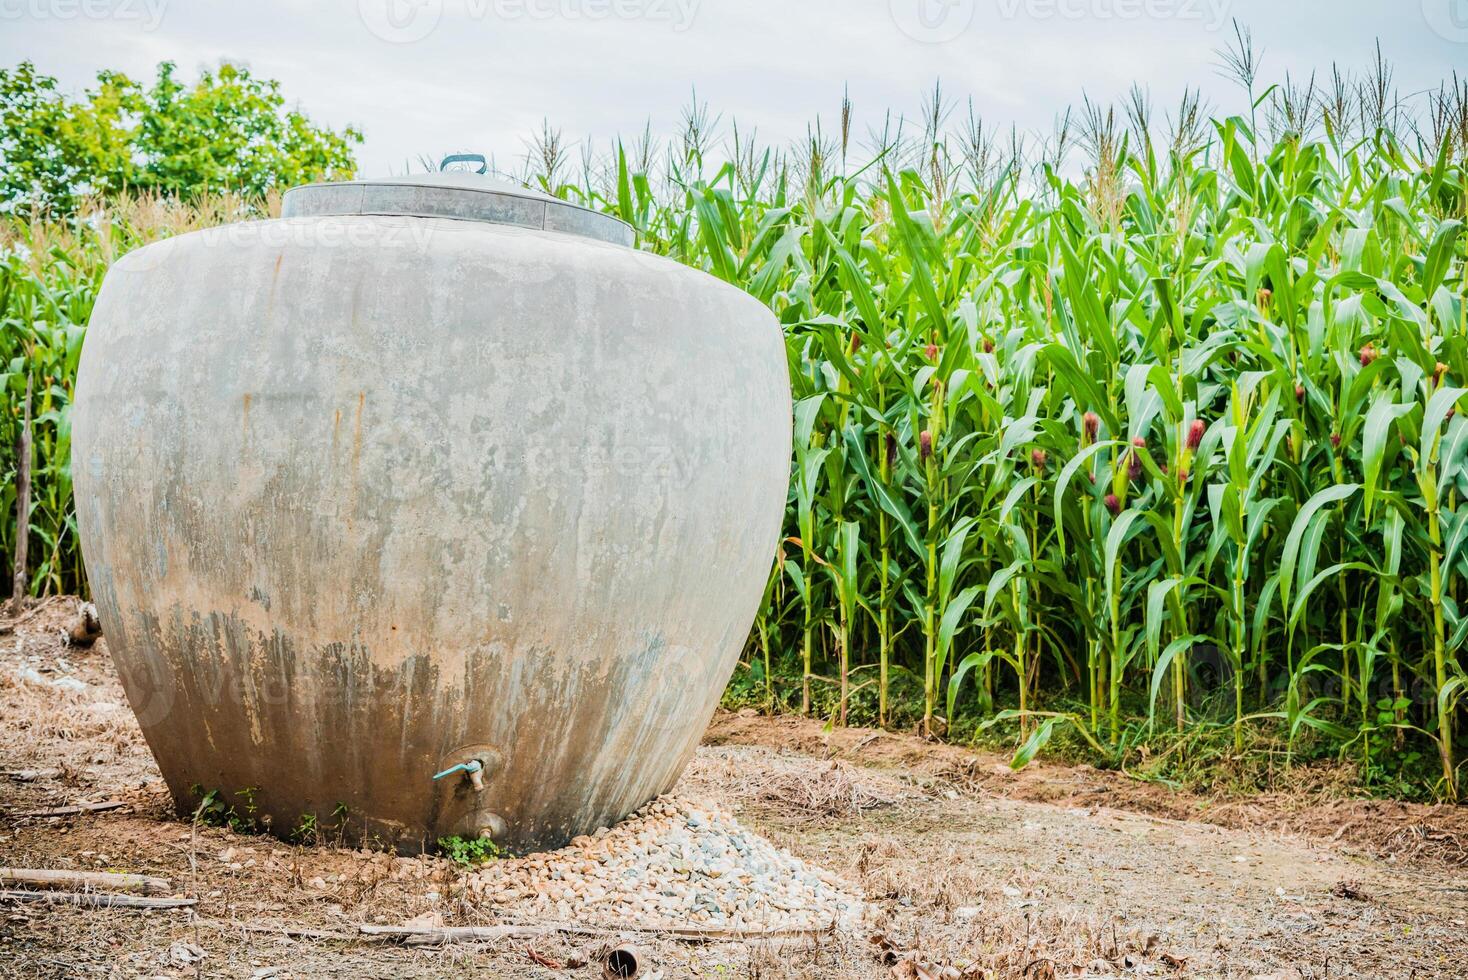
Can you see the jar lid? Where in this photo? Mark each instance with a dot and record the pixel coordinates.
(461, 194)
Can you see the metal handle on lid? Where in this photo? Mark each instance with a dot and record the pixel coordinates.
(465, 158)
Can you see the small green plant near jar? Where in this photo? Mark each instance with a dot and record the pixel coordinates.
(214, 811)
(307, 830)
(310, 830)
(470, 851)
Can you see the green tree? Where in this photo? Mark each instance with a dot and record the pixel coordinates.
(50, 146)
(228, 131)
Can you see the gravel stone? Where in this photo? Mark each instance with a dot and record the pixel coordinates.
(673, 862)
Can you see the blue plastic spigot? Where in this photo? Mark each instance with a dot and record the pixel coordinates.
(470, 767)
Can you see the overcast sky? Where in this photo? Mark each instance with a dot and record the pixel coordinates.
(421, 77)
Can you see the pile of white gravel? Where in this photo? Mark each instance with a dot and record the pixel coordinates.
(672, 864)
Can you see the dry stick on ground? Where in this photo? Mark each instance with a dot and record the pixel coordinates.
(29, 775)
(77, 810)
(420, 935)
(22, 506)
(98, 900)
(272, 929)
(106, 880)
(415, 935)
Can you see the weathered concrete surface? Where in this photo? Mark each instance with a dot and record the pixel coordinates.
(364, 497)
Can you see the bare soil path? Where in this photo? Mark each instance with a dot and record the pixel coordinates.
(973, 871)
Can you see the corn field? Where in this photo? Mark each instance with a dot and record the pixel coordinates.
(1148, 426)
(50, 271)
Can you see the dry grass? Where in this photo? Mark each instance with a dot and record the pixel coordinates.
(132, 221)
(833, 790)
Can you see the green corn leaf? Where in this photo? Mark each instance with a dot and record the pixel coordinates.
(977, 659)
(1115, 538)
(1438, 406)
(1164, 662)
(952, 620)
(1440, 255)
(952, 557)
(1383, 413)
(1157, 593)
(1067, 473)
(1290, 556)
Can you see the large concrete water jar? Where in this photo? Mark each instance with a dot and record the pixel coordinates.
(432, 474)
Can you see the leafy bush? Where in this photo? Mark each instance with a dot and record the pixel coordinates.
(228, 132)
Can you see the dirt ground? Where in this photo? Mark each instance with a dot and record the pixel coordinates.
(973, 871)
